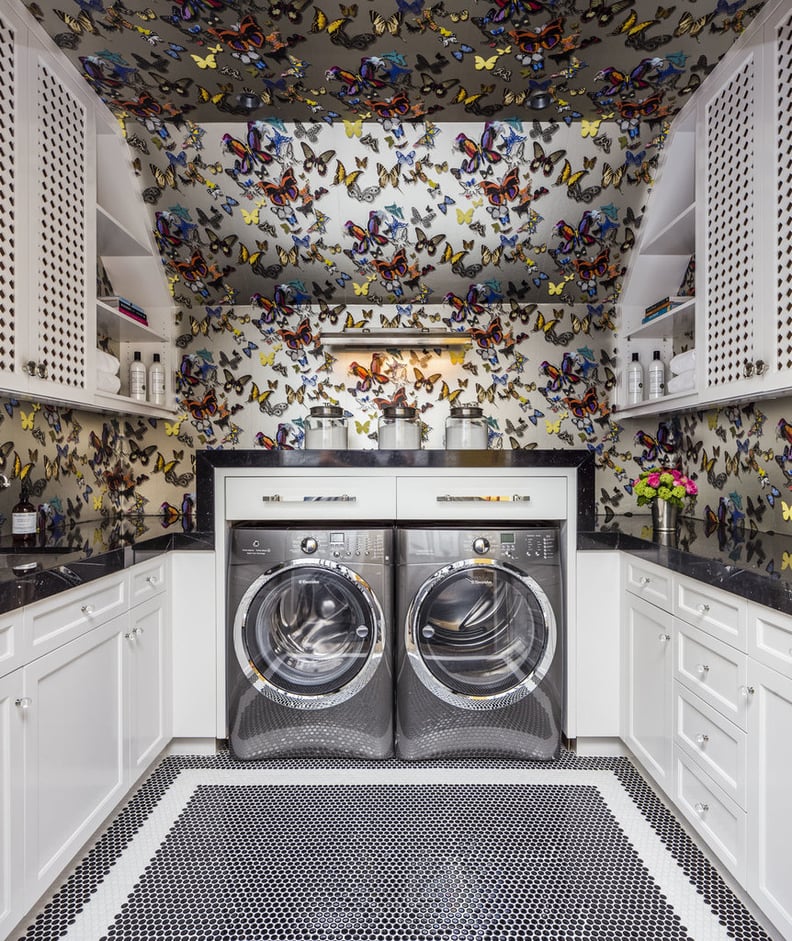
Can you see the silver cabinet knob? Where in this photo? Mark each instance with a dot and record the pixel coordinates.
(42, 370)
(702, 669)
(87, 609)
(746, 691)
(644, 580)
(24, 702)
(703, 609)
(30, 368)
(129, 635)
(701, 808)
(137, 631)
(702, 739)
(152, 580)
(664, 638)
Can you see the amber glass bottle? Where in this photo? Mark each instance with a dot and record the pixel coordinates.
(24, 521)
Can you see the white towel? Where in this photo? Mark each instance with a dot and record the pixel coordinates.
(683, 362)
(106, 362)
(107, 382)
(681, 383)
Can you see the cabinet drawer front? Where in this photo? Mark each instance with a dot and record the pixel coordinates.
(10, 642)
(648, 582)
(147, 579)
(481, 498)
(50, 623)
(715, 612)
(712, 813)
(714, 743)
(310, 498)
(770, 638)
(713, 670)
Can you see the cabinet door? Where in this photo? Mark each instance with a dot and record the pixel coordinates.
(13, 901)
(74, 755)
(770, 821)
(731, 321)
(61, 190)
(147, 678)
(646, 686)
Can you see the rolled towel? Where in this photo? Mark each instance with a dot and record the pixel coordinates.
(107, 382)
(681, 383)
(106, 362)
(683, 362)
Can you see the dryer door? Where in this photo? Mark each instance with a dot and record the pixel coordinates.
(480, 634)
(309, 633)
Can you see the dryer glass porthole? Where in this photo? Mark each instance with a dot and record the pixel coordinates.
(308, 631)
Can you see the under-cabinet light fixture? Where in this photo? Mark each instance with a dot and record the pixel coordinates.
(395, 339)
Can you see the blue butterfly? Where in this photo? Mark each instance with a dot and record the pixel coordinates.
(10, 405)
(459, 54)
(181, 160)
(173, 51)
(342, 279)
(407, 159)
(773, 495)
(229, 204)
(443, 207)
(634, 158)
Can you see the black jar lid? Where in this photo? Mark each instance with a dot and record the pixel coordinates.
(467, 411)
(399, 411)
(326, 411)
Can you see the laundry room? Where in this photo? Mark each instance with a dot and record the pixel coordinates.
(396, 411)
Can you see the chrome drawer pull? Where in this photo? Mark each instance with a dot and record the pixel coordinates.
(703, 609)
(702, 739)
(516, 498)
(701, 809)
(702, 669)
(342, 498)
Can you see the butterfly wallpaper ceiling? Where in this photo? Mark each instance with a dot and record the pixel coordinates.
(299, 153)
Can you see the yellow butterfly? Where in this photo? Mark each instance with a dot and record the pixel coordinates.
(351, 323)
(172, 429)
(554, 427)
(287, 257)
(465, 217)
(295, 395)
(28, 420)
(267, 359)
(257, 396)
(544, 325)
(786, 511)
(457, 356)
(51, 468)
(460, 17)
(97, 502)
(452, 257)
(322, 24)
(389, 176)
(581, 326)
(210, 62)
(786, 561)
(353, 128)
(504, 50)
(488, 64)
(164, 177)
(555, 288)
(250, 218)
(446, 393)
(491, 257)
(428, 382)
(382, 25)
(514, 98)
(488, 394)
(589, 128)
(567, 177)
(341, 176)
(362, 427)
(611, 176)
(361, 288)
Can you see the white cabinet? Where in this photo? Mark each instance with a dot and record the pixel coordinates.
(74, 748)
(146, 679)
(46, 349)
(770, 760)
(12, 885)
(646, 693)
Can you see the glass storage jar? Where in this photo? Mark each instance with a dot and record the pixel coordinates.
(326, 428)
(399, 428)
(466, 429)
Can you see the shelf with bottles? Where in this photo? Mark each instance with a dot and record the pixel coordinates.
(122, 400)
(647, 348)
(112, 323)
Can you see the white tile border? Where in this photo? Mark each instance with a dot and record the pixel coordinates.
(101, 909)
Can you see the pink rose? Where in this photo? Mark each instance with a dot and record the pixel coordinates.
(653, 479)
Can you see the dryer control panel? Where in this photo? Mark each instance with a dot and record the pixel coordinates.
(538, 545)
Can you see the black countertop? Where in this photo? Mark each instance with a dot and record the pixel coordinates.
(739, 559)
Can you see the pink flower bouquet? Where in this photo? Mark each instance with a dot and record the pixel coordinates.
(663, 483)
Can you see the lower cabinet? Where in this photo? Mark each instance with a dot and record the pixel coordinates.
(646, 694)
(770, 759)
(13, 903)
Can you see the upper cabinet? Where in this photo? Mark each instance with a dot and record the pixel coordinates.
(46, 131)
(723, 197)
(69, 198)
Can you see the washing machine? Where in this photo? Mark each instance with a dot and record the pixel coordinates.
(309, 658)
(480, 643)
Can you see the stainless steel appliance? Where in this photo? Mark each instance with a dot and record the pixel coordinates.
(480, 643)
(309, 643)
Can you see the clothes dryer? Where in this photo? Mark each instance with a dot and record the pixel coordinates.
(309, 646)
(480, 643)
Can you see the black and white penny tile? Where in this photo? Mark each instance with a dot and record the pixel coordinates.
(344, 851)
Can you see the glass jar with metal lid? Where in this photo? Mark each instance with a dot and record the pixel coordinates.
(326, 428)
(466, 429)
(399, 428)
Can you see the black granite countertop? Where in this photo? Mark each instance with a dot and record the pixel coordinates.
(741, 559)
(66, 559)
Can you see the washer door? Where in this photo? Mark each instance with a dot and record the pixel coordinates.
(480, 634)
(309, 633)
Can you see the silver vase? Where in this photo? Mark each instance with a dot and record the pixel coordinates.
(664, 516)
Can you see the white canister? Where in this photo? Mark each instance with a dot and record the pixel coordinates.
(326, 428)
(399, 429)
(466, 429)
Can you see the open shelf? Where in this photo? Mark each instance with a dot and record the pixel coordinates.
(655, 406)
(123, 403)
(117, 326)
(114, 238)
(677, 237)
(676, 322)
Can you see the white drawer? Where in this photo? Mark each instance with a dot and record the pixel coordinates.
(10, 641)
(770, 638)
(713, 670)
(721, 823)
(147, 579)
(481, 498)
(648, 581)
(716, 612)
(56, 620)
(310, 498)
(715, 743)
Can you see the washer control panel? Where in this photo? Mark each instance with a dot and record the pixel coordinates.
(539, 545)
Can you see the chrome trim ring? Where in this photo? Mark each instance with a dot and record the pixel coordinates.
(464, 700)
(320, 700)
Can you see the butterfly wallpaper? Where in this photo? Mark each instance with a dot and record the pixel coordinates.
(311, 168)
